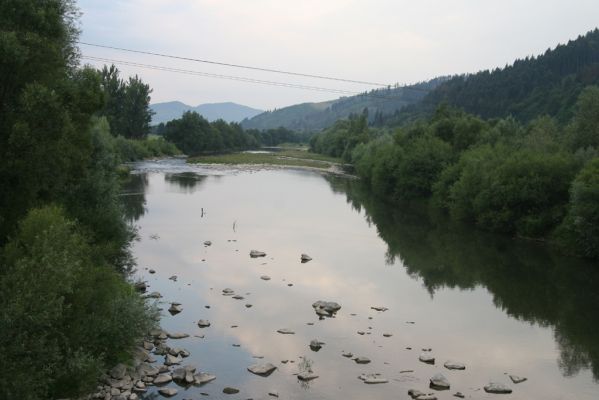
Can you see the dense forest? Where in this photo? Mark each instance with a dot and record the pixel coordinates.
(310, 117)
(68, 310)
(547, 84)
(536, 180)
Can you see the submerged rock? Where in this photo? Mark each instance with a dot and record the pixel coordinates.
(517, 379)
(362, 360)
(379, 308)
(454, 365)
(262, 369)
(207, 243)
(203, 378)
(315, 345)
(237, 297)
(459, 395)
(230, 390)
(228, 292)
(305, 258)
(372, 379)
(265, 277)
(140, 286)
(257, 253)
(439, 382)
(153, 295)
(347, 354)
(497, 388)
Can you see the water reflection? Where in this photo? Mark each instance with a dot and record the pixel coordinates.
(527, 281)
(133, 196)
(184, 182)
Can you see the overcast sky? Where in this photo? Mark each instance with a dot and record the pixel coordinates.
(387, 41)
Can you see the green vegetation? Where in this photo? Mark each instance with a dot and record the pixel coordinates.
(67, 311)
(290, 157)
(536, 180)
(547, 84)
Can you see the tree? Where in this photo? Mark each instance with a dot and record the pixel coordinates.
(584, 130)
(137, 114)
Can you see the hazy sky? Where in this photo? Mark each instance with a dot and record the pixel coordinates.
(385, 41)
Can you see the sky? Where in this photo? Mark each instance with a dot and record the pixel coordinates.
(386, 41)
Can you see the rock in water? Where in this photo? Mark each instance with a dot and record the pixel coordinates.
(517, 379)
(202, 378)
(162, 379)
(372, 379)
(140, 286)
(262, 369)
(175, 308)
(230, 390)
(381, 309)
(306, 376)
(497, 388)
(207, 243)
(203, 323)
(177, 335)
(426, 358)
(459, 395)
(286, 331)
(326, 308)
(228, 292)
(362, 360)
(265, 277)
(454, 365)
(315, 345)
(168, 392)
(172, 360)
(256, 253)
(305, 258)
(439, 382)
(119, 371)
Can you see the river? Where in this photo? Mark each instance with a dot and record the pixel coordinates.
(497, 305)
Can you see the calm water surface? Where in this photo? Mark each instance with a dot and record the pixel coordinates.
(496, 305)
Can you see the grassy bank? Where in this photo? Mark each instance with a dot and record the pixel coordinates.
(289, 157)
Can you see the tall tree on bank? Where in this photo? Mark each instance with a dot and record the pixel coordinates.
(127, 105)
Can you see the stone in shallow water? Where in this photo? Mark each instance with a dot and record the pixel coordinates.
(238, 297)
(305, 258)
(168, 392)
(372, 379)
(347, 354)
(306, 376)
(172, 360)
(362, 360)
(497, 388)
(326, 308)
(426, 358)
(517, 379)
(202, 378)
(285, 331)
(439, 382)
(262, 369)
(387, 334)
(207, 243)
(162, 379)
(265, 277)
(230, 390)
(454, 365)
(459, 395)
(153, 295)
(379, 308)
(228, 292)
(315, 345)
(177, 335)
(175, 308)
(203, 323)
(257, 253)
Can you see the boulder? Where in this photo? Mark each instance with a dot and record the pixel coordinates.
(257, 253)
(238, 297)
(175, 308)
(497, 388)
(119, 371)
(177, 335)
(347, 354)
(162, 379)
(439, 382)
(140, 286)
(454, 365)
(305, 258)
(172, 360)
(262, 369)
(230, 390)
(379, 308)
(362, 360)
(326, 308)
(315, 345)
(153, 295)
(265, 277)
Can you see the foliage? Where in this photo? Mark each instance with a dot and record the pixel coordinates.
(66, 314)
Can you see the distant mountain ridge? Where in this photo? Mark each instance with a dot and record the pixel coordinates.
(228, 111)
(317, 116)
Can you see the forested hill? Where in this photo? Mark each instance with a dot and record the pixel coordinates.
(229, 112)
(546, 84)
(317, 116)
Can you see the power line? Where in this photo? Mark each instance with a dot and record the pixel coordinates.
(278, 71)
(220, 76)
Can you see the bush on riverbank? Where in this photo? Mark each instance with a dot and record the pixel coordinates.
(66, 314)
(501, 175)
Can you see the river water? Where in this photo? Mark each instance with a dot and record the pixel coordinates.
(497, 305)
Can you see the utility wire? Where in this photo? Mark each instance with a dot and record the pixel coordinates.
(278, 71)
(237, 78)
